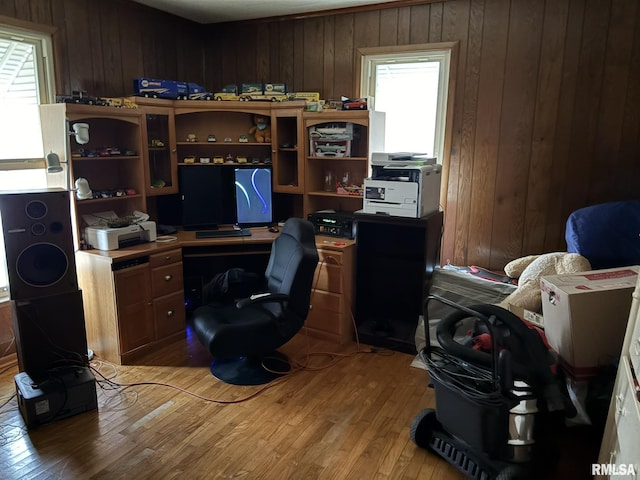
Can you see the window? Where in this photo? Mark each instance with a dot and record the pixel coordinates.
(25, 83)
(411, 85)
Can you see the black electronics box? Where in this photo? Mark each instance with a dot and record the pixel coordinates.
(334, 224)
(68, 391)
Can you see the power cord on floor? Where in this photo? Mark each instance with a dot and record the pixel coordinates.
(107, 384)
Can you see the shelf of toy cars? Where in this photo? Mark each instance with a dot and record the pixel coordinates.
(222, 144)
(222, 164)
(342, 159)
(322, 193)
(108, 199)
(105, 157)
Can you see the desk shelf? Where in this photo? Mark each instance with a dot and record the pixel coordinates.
(343, 159)
(109, 127)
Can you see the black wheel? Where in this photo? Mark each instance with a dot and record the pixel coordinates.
(514, 472)
(422, 426)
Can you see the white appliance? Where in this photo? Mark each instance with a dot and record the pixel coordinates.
(402, 189)
(106, 238)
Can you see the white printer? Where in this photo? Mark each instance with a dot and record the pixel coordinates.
(108, 238)
(402, 184)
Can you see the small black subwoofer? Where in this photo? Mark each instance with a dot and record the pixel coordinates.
(38, 241)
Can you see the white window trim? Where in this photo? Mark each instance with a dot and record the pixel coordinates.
(444, 52)
(41, 37)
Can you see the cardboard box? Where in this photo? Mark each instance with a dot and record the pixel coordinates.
(585, 316)
(534, 318)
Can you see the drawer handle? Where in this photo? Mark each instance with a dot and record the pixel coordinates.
(168, 257)
(169, 313)
(168, 277)
(619, 408)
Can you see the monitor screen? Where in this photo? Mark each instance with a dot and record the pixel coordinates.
(206, 192)
(254, 202)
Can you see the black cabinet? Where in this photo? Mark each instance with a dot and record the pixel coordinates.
(395, 260)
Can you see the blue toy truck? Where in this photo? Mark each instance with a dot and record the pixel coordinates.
(154, 88)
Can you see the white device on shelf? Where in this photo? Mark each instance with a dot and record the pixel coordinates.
(107, 238)
(403, 190)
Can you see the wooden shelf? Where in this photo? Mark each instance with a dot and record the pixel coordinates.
(358, 135)
(110, 157)
(341, 159)
(218, 144)
(107, 199)
(333, 194)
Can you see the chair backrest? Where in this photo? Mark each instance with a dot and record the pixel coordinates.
(292, 265)
(607, 234)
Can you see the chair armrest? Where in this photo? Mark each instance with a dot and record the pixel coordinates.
(260, 298)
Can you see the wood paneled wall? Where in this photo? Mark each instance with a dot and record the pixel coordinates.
(101, 46)
(547, 95)
(547, 109)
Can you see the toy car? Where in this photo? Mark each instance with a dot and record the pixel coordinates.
(355, 104)
(211, 138)
(329, 150)
(243, 139)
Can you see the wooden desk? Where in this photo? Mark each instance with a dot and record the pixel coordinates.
(134, 297)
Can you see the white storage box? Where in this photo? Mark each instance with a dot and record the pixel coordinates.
(585, 316)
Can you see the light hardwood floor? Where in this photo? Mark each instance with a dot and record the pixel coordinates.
(347, 421)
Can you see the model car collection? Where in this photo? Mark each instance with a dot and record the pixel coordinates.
(181, 90)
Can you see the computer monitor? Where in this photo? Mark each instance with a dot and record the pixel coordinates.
(207, 193)
(254, 197)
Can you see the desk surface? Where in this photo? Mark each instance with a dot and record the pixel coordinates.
(180, 239)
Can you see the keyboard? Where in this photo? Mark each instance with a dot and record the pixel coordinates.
(243, 232)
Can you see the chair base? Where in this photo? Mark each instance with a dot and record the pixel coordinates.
(250, 370)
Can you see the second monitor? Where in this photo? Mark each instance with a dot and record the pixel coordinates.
(225, 194)
(254, 199)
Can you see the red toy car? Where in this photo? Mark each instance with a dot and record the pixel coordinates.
(354, 104)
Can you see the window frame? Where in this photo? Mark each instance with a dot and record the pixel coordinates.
(444, 53)
(41, 37)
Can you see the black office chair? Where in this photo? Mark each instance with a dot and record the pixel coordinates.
(244, 335)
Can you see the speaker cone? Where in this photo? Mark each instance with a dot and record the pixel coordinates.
(36, 209)
(42, 265)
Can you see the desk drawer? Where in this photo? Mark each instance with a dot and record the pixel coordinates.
(169, 314)
(324, 320)
(330, 257)
(627, 418)
(165, 258)
(328, 278)
(167, 279)
(326, 301)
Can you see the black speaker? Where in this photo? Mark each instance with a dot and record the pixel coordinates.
(50, 333)
(38, 241)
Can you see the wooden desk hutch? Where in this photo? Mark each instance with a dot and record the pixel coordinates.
(134, 296)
